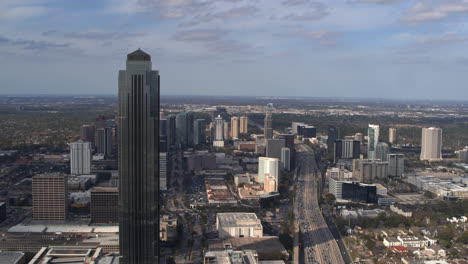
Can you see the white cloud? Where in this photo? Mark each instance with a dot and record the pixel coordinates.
(423, 12)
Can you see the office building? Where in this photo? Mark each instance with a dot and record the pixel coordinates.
(50, 197)
(381, 151)
(463, 154)
(226, 130)
(238, 225)
(270, 185)
(431, 144)
(87, 133)
(353, 191)
(347, 149)
(306, 131)
(171, 131)
(368, 171)
(294, 127)
(81, 154)
(163, 171)
(163, 123)
(244, 125)
(359, 137)
(218, 132)
(104, 205)
(199, 132)
(99, 123)
(138, 160)
(274, 146)
(289, 143)
(333, 135)
(235, 127)
(182, 129)
(268, 122)
(392, 135)
(268, 166)
(286, 158)
(372, 141)
(396, 165)
(105, 141)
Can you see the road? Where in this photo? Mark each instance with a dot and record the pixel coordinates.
(318, 243)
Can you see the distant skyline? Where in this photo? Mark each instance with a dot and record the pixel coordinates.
(388, 49)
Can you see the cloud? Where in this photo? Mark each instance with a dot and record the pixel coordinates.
(380, 2)
(29, 44)
(295, 2)
(20, 10)
(200, 35)
(93, 35)
(316, 11)
(233, 13)
(423, 12)
(324, 38)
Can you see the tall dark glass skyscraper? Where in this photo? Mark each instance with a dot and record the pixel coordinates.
(138, 160)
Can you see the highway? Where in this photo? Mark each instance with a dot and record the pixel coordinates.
(318, 244)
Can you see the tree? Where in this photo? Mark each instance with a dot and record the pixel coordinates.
(464, 238)
(330, 199)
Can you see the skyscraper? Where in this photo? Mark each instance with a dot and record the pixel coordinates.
(181, 129)
(219, 132)
(332, 136)
(396, 165)
(226, 130)
(372, 141)
(268, 166)
(80, 157)
(381, 151)
(104, 207)
(105, 141)
(139, 160)
(268, 123)
(99, 123)
(199, 131)
(244, 125)
(392, 135)
(87, 133)
(286, 158)
(171, 130)
(50, 197)
(431, 144)
(274, 146)
(235, 127)
(347, 149)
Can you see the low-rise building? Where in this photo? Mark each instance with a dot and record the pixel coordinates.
(168, 229)
(238, 225)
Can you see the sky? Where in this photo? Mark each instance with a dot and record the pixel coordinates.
(395, 49)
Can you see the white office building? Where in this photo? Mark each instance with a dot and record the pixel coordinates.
(268, 166)
(219, 132)
(81, 154)
(396, 165)
(286, 159)
(163, 171)
(431, 144)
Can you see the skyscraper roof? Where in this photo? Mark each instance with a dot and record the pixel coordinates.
(138, 55)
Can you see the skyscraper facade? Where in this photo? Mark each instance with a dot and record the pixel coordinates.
(182, 129)
(268, 166)
(87, 133)
(396, 165)
(332, 136)
(218, 132)
(244, 125)
(81, 154)
(99, 123)
(199, 131)
(138, 160)
(226, 130)
(104, 208)
(274, 146)
(171, 131)
(50, 197)
(392, 135)
(286, 158)
(347, 149)
(268, 123)
(431, 144)
(381, 151)
(372, 141)
(235, 127)
(105, 141)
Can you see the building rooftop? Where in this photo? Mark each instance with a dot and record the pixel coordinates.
(138, 55)
(237, 219)
(10, 257)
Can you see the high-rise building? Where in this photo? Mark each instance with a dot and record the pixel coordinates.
(381, 151)
(286, 158)
(268, 123)
(104, 205)
(163, 127)
(392, 135)
(463, 154)
(138, 160)
(368, 170)
(190, 120)
(199, 131)
(50, 197)
(359, 137)
(274, 146)
(99, 123)
(306, 131)
(219, 132)
(163, 171)
(431, 144)
(289, 143)
(171, 130)
(396, 165)
(87, 133)
(332, 136)
(182, 129)
(347, 149)
(105, 141)
(372, 141)
(235, 127)
(81, 154)
(244, 125)
(268, 166)
(226, 130)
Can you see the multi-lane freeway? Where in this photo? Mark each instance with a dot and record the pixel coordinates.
(318, 243)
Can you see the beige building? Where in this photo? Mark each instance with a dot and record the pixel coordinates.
(235, 127)
(392, 135)
(367, 171)
(270, 184)
(238, 225)
(431, 144)
(244, 124)
(49, 193)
